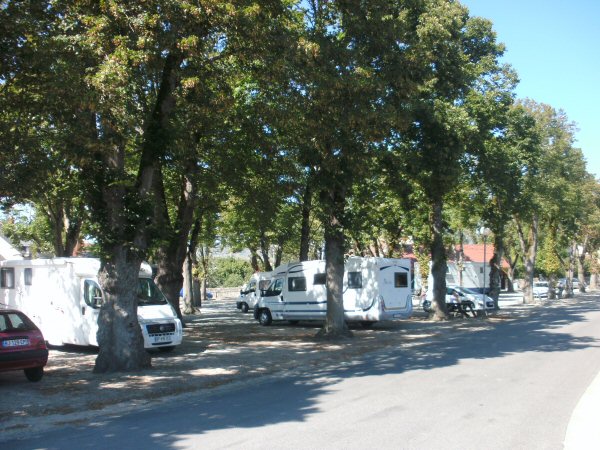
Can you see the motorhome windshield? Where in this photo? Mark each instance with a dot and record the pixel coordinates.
(149, 294)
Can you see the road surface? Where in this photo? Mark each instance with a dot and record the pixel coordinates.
(511, 386)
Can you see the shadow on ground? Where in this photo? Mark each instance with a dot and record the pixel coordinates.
(223, 346)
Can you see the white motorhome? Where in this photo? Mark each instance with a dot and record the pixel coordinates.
(250, 293)
(375, 289)
(63, 297)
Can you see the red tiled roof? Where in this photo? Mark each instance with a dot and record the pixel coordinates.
(474, 253)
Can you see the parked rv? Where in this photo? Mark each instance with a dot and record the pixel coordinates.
(63, 297)
(250, 293)
(374, 289)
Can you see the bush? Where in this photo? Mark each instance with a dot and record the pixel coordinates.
(229, 272)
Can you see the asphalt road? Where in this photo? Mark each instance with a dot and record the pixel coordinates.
(512, 386)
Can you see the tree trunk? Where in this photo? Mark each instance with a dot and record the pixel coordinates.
(438, 262)
(254, 260)
(119, 335)
(264, 249)
(188, 286)
(496, 267)
(335, 324)
(305, 228)
(175, 234)
(529, 250)
(580, 259)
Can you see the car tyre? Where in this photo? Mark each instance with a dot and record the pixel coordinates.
(244, 308)
(264, 317)
(34, 374)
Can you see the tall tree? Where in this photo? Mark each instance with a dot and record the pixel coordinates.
(457, 52)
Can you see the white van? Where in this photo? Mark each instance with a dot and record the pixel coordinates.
(63, 297)
(250, 293)
(374, 289)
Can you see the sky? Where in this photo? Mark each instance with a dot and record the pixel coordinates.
(554, 45)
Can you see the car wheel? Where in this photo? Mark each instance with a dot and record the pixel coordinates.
(167, 349)
(34, 374)
(264, 317)
(244, 308)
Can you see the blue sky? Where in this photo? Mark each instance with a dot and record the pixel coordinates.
(555, 48)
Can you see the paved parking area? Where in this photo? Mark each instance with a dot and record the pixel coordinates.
(221, 345)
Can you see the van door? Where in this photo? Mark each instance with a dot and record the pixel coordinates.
(395, 287)
(90, 304)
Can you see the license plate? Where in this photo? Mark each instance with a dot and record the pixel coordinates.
(15, 343)
(157, 339)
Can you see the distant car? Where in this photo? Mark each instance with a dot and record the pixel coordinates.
(22, 345)
(465, 294)
(562, 284)
(541, 289)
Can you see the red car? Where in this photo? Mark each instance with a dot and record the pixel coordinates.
(22, 346)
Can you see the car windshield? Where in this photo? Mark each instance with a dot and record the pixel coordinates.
(149, 294)
(540, 284)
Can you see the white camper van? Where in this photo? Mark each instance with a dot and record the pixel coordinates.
(250, 293)
(374, 289)
(63, 297)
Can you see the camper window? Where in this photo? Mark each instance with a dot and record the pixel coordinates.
(28, 276)
(7, 277)
(297, 284)
(263, 284)
(92, 294)
(400, 280)
(275, 288)
(354, 280)
(320, 278)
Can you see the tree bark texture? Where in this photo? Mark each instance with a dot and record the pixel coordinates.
(335, 324)
(528, 245)
(496, 267)
(438, 262)
(119, 334)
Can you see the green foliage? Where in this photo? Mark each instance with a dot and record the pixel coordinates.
(228, 272)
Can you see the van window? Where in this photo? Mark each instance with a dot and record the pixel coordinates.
(320, 278)
(7, 277)
(92, 294)
(296, 284)
(263, 284)
(28, 276)
(354, 280)
(149, 294)
(400, 279)
(275, 288)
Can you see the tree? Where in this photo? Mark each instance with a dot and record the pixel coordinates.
(550, 195)
(457, 53)
(126, 72)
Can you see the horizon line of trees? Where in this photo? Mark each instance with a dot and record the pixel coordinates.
(305, 126)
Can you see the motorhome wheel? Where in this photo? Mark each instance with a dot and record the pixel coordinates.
(264, 317)
(244, 308)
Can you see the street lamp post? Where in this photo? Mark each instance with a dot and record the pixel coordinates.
(484, 232)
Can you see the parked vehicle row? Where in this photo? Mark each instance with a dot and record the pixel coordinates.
(374, 289)
(62, 297)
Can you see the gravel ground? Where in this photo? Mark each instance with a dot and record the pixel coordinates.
(221, 346)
